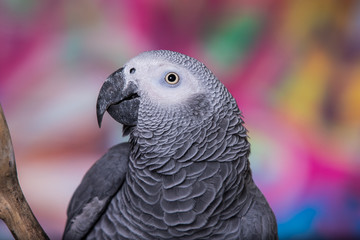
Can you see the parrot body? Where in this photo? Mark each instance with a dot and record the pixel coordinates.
(185, 172)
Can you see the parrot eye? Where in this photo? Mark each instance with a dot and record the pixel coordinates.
(132, 70)
(172, 78)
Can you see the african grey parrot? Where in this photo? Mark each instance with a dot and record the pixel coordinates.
(184, 174)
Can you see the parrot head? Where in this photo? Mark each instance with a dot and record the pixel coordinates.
(160, 85)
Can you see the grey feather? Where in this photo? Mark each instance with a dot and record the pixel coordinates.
(188, 174)
(97, 188)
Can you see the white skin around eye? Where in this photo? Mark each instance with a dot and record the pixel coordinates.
(150, 78)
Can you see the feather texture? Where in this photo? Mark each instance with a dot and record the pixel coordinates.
(188, 173)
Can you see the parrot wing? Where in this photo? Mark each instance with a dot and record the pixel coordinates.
(99, 185)
(259, 222)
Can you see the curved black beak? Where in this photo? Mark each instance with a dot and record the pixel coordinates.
(119, 99)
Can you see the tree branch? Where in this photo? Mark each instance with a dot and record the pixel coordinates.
(14, 209)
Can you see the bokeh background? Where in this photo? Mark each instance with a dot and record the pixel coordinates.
(293, 67)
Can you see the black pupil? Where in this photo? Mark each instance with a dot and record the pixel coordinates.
(172, 78)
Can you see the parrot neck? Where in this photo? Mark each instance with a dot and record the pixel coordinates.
(188, 173)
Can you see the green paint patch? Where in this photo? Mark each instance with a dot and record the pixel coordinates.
(22, 9)
(234, 38)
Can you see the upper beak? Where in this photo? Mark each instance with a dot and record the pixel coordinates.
(119, 98)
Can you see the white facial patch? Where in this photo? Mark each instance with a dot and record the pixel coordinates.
(150, 77)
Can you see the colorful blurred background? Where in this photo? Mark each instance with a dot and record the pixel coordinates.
(293, 66)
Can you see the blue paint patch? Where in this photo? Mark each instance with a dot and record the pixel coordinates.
(300, 226)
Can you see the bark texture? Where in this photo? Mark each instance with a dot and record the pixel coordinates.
(14, 209)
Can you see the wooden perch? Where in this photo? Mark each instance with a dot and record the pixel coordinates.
(14, 209)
